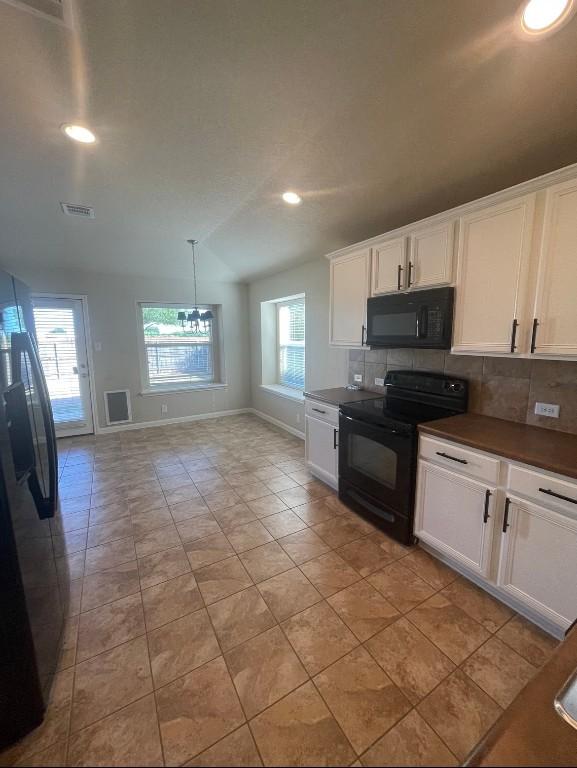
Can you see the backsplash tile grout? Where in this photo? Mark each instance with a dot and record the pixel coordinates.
(506, 388)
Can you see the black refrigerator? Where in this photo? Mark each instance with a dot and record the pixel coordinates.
(33, 582)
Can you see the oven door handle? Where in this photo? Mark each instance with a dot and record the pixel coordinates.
(387, 430)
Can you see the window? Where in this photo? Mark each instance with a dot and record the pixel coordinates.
(176, 355)
(291, 343)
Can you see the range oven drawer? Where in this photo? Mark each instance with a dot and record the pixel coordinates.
(400, 527)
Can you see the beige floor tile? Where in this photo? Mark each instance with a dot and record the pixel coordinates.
(140, 507)
(253, 491)
(288, 593)
(197, 528)
(221, 500)
(196, 711)
(450, 628)
(240, 617)
(431, 570)
(184, 493)
(337, 532)
(266, 506)
(314, 512)
(157, 540)
(109, 513)
(238, 749)
(110, 555)
(329, 573)
(110, 625)
(363, 699)
(460, 712)
(187, 509)
(70, 505)
(70, 542)
(364, 610)
(175, 482)
(281, 482)
(248, 536)
(266, 561)
(411, 661)
(181, 646)
(162, 566)
(319, 637)
(110, 681)
(107, 498)
(317, 489)
(283, 523)
(209, 550)
(67, 657)
(231, 517)
(303, 545)
(105, 532)
(264, 669)
(51, 757)
(222, 579)
(410, 743)
(403, 588)
(127, 737)
(393, 549)
(478, 604)
(365, 555)
(294, 497)
(529, 641)
(499, 671)
(147, 520)
(141, 490)
(170, 600)
(300, 730)
(217, 485)
(109, 585)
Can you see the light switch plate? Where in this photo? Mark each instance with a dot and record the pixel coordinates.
(379, 382)
(547, 409)
(358, 377)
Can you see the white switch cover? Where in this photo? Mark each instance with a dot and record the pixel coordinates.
(547, 409)
(358, 377)
(164, 408)
(379, 382)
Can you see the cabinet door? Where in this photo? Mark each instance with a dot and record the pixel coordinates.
(538, 561)
(431, 256)
(455, 516)
(389, 266)
(556, 307)
(322, 442)
(492, 272)
(348, 298)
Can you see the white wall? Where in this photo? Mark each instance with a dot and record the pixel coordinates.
(113, 322)
(325, 366)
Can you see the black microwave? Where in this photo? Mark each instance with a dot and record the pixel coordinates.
(415, 319)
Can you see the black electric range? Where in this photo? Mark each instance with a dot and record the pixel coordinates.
(378, 444)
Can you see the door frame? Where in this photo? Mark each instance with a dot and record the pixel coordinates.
(83, 298)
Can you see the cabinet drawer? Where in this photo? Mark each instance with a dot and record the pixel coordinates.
(544, 489)
(454, 456)
(322, 411)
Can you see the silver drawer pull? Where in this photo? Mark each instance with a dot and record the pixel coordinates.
(318, 410)
(549, 492)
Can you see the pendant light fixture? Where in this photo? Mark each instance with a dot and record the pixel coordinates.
(195, 317)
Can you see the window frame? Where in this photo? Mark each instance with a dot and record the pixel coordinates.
(218, 381)
(279, 303)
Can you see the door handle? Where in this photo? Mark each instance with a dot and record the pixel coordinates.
(549, 492)
(318, 410)
(534, 334)
(506, 515)
(399, 274)
(363, 330)
(410, 275)
(453, 458)
(514, 335)
(335, 433)
(486, 514)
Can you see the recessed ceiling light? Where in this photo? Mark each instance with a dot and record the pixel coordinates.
(292, 198)
(544, 16)
(79, 133)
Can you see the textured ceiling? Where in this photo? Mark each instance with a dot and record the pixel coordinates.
(379, 112)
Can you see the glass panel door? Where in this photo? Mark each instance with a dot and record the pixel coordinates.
(63, 352)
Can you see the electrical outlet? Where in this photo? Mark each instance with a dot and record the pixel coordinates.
(164, 409)
(358, 378)
(547, 409)
(379, 382)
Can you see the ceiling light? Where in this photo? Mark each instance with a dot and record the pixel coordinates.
(542, 16)
(291, 198)
(79, 133)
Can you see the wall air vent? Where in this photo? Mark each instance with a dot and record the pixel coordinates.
(58, 11)
(117, 406)
(73, 209)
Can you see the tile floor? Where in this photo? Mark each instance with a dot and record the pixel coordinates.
(227, 609)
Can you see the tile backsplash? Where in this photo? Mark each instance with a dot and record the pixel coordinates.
(506, 388)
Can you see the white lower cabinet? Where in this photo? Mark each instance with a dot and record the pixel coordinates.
(321, 449)
(523, 551)
(538, 560)
(455, 515)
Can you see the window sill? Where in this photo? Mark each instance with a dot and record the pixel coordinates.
(176, 390)
(286, 392)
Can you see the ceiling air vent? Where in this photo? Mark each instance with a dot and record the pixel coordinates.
(53, 10)
(73, 209)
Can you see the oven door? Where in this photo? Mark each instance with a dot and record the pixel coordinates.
(420, 319)
(378, 460)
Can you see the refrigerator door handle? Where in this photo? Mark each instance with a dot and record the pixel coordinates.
(19, 431)
(23, 346)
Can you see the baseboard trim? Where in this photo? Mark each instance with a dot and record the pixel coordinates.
(166, 422)
(277, 423)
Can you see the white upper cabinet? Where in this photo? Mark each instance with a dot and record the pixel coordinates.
(431, 256)
(556, 301)
(349, 290)
(492, 278)
(389, 266)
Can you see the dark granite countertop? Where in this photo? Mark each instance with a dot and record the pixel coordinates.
(539, 447)
(341, 395)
